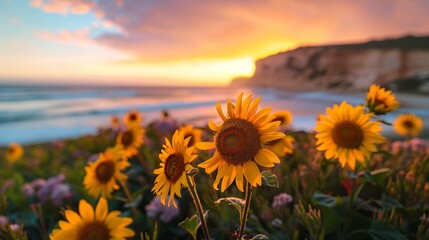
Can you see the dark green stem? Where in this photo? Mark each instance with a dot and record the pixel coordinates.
(243, 221)
(350, 208)
(193, 191)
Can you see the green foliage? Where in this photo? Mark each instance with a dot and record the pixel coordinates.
(191, 225)
(392, 193)
(269, 179)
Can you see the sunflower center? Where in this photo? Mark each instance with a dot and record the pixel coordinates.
(95, 231)
(191, 141)
(380, 103)
(11, 150)
(174, 167)
(238, 141)
(133, 117)
(127, 138)
(105, 171)
(347, 135)
(408, 124)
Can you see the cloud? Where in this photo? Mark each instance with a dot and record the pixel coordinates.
(64, 6)
(80, 36)
(167, 30)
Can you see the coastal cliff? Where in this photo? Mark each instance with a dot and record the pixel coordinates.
(346, 67)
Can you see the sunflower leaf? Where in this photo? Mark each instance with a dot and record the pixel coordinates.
(191, 225)
(238, 203)
(269, 179)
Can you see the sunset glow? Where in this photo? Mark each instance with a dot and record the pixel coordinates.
(179, 43)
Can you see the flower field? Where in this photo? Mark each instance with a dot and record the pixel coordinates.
(246, 175)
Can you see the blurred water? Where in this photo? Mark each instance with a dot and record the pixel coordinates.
(30, 114)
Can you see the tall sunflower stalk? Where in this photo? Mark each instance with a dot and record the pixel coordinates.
(347, 133)
(176, 171)
(241, 145)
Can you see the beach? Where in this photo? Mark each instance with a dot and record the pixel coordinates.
(35, 114)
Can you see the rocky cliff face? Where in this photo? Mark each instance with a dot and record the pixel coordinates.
(352, 66)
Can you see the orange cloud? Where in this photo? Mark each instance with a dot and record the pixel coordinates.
(81, 36)
(64, 6)
(172, 29)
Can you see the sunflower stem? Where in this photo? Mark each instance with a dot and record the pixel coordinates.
(243, 221)
(126, 191)
(129, 198)
(352, 197)
(193, 191)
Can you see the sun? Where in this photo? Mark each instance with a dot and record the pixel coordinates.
(346, 133)
(240, 143)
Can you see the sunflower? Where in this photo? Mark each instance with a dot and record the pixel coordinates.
(194, 133)
(408, 125)
(240, 143)
(102, 175)
(281, 146)
(285, 118)
(130, 140)
(14, 152)
(176, 158)
(132, 118)
(347, 133)
(88, 224)
(380, 101)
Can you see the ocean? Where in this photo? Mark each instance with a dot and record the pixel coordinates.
(34, 114)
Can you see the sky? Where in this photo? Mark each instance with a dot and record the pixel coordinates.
(174, 42)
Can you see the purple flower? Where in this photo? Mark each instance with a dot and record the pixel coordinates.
(3, 221)
(7, 184)
(155, 207)
(165, 127)
(61, 193)
(93, 158)
(53, 189)
(282, 200)
(14, 227)
(28, 189)
(418, 144)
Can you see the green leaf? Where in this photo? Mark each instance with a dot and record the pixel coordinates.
(269, 179)
(330, 219)
(389, 203)
(191, 225)
(324, 200)
(238, 203)
(380, 176)
(367, 176)
(381, 231)
(259, 236)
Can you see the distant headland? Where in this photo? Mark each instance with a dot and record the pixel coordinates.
(400, 63)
